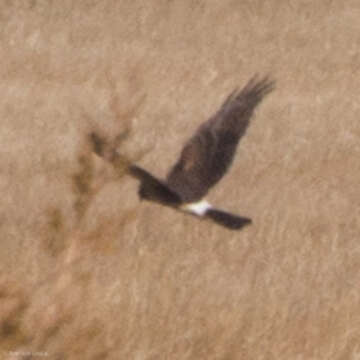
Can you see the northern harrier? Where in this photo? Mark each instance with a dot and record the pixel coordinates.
(204, 159)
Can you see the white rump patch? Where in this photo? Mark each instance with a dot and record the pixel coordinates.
(198, 208)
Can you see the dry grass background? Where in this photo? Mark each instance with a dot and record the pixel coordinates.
(89, 272)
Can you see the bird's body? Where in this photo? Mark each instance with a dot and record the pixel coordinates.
(198, 208)
(205, 158)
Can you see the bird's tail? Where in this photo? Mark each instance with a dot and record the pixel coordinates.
(226, 219)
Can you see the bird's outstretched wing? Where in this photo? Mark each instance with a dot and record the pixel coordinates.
(155, 189)
(207, 156)
(233, 222)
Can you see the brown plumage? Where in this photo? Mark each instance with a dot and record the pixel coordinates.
(205, 158)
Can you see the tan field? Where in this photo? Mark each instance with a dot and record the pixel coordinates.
(90, 272)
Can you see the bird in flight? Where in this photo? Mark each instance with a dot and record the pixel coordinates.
(204, 159)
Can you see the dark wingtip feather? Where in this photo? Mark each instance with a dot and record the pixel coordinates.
(251, 94)
(259, 87)
(228, 220)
